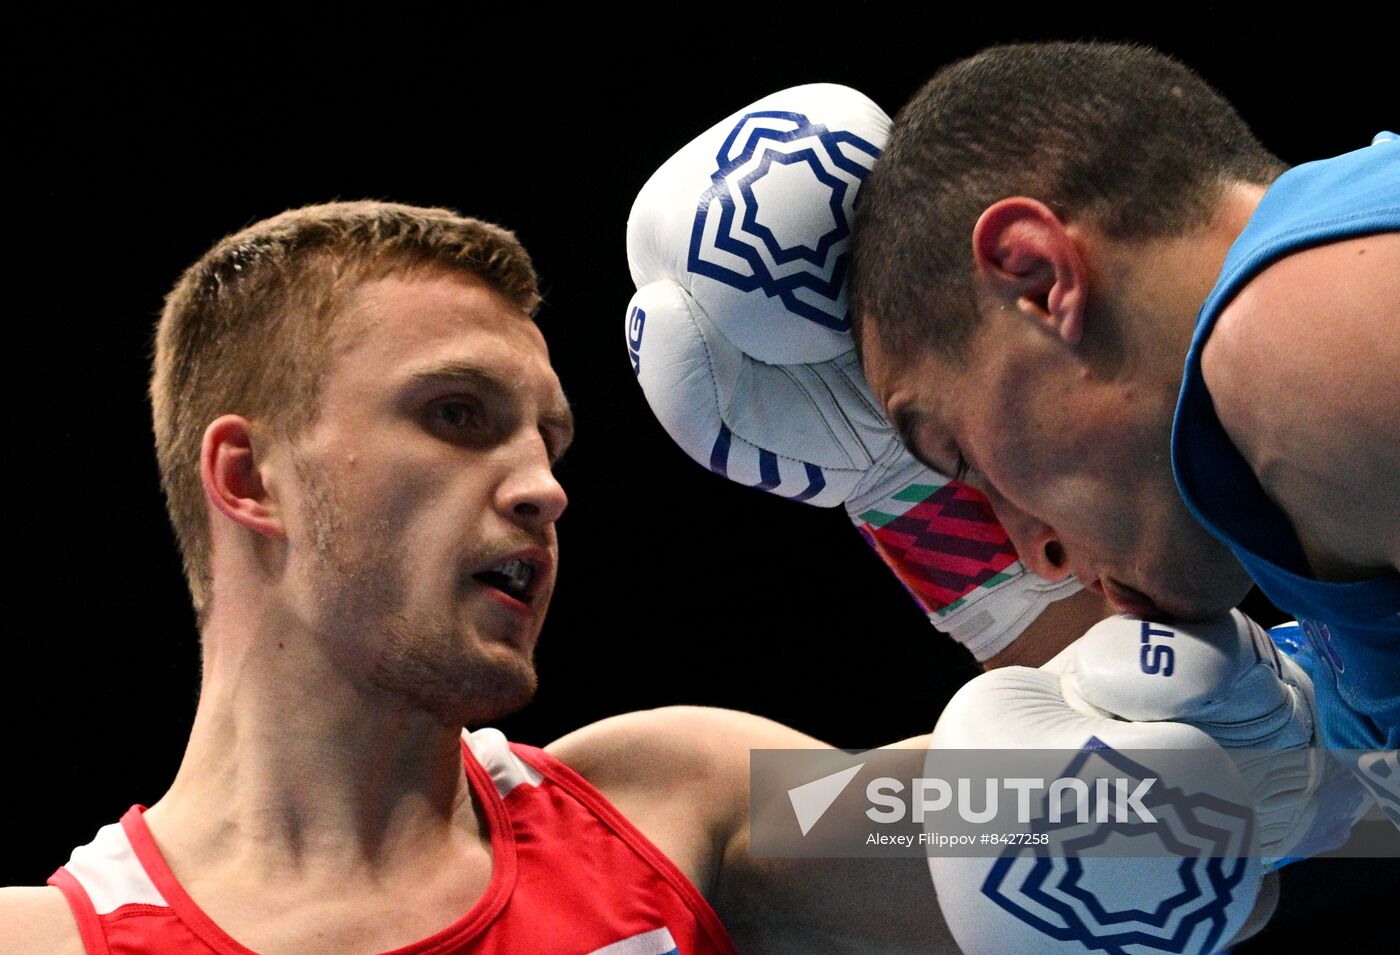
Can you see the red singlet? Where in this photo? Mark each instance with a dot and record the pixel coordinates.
(569, 875)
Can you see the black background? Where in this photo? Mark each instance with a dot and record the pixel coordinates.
(676, 587)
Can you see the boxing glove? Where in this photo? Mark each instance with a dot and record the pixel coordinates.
(1135, 688)
(740, 339)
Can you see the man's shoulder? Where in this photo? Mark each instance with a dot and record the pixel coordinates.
(1321, 302)
(1301, 366)
(680, 775)
(37, 919)
(672, 748)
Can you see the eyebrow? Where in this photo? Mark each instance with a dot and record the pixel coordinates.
(558, 415)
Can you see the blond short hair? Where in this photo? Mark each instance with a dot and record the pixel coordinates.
(249, 328)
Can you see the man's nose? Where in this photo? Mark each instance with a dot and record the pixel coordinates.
(531, 495)
(1036, 542)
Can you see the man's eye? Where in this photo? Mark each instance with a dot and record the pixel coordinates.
(960, 472)
(458, 414)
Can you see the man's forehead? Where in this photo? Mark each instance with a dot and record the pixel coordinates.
(434, 300)
(892, 375)
(401, 317)
(914, 387)
(436, 326)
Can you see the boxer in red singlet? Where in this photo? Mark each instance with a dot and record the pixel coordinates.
(356, 421)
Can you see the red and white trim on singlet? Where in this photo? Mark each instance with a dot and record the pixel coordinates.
(569, 875)
(102, 877)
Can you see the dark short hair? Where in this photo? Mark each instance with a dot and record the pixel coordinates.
(249, 328)
(1121, 136)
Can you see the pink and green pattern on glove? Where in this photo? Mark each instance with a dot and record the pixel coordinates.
(942, 541)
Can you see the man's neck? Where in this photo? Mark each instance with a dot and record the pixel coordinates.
(1159, 285)
(299, 774)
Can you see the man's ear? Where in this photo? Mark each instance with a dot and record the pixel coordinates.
(1027, 259)
(233, 482)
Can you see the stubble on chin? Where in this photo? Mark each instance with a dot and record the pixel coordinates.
(425, 659)
(433, 666)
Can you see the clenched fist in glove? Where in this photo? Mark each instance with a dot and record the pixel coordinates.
(1147, 688)
(739, 336)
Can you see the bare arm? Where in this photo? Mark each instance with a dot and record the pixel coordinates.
(37, 921)
(1304, 369)
(681, 774)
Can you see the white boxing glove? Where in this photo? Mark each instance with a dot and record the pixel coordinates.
(739, 336)
(1133, 685)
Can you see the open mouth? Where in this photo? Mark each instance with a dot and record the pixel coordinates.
(513, 578)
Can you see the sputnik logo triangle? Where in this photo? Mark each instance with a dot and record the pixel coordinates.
(810, 801)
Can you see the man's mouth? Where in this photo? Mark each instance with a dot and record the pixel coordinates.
(1127, 599)
(512, 577)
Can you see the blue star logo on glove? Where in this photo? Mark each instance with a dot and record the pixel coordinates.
(777, 216)
(1203, 838)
